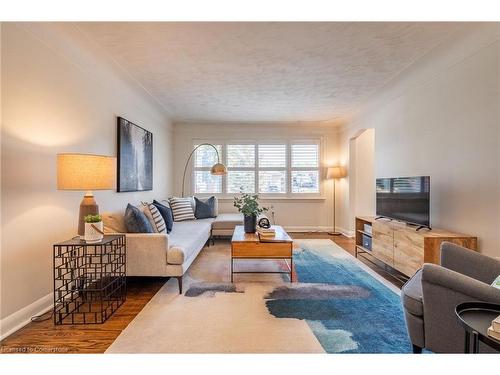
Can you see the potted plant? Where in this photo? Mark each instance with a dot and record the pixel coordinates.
(248, 205)
(93, 228)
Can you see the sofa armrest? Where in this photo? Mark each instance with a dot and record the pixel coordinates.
(470, 263)
(146, 254)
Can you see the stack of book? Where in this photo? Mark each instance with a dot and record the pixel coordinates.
(266, 233)
(494, 330)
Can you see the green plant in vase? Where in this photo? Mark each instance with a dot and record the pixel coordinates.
(93, 218)
(93, 228)
(248, 205)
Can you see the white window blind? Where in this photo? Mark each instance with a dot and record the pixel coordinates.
(288, 168)
(305, 156)
(305, 168)
(238, 181)
(272, 156)
(206, 183)
(204, 158)
(241, 156)
(271, 182)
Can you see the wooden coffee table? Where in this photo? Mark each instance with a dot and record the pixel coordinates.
(248, 246)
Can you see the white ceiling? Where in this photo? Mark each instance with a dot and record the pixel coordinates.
(259, 72)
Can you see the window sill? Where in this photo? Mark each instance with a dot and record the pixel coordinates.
(280, 199)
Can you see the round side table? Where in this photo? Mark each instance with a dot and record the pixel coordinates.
(475, 318)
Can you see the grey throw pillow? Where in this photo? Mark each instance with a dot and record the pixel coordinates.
(205, 208)
(136, 221)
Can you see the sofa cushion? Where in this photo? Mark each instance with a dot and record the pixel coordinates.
(187, 238)
(227, 221)
(182, 209)
(114, 222)
(166, 213)
(205, 208)
(136, 221)
(411, 295)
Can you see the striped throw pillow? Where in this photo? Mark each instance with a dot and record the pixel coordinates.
(182, 209)
(155, 218)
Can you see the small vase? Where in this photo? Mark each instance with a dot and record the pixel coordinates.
(93, 232)
(250, 223)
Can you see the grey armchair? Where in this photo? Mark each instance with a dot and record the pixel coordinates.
(431, 295)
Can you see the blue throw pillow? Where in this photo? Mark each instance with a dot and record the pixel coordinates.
(136, 221)
(166, 213)
(204, 208)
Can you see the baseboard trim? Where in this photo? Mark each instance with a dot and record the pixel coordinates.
(20, 318)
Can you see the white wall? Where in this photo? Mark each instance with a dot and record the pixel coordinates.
(293, 214)
(441, 118)
(60, 93)
(362, 173)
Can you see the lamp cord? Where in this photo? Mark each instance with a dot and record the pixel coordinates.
(39, 318)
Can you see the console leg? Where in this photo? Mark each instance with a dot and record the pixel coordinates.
(417, 349)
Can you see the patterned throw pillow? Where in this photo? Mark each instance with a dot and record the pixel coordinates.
(182, 209)
(136, 221)
(155, 218)
(166, 213)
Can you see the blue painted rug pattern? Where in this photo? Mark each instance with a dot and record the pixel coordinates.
(371, 321)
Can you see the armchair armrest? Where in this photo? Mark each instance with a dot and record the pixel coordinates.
(146, 254)
(442, 290)
(436, 276)
(470, 263)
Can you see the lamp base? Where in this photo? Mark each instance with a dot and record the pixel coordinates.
(88, 206)
(334, 233)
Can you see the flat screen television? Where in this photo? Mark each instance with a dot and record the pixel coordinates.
(405, 198)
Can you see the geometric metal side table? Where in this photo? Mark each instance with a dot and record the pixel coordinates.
(89, 279)
(475, 318)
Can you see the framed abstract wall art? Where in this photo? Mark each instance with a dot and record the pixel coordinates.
(135, 157)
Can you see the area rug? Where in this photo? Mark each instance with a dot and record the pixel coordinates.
(335, 305)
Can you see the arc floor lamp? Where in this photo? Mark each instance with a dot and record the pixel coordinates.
(334, 173)
(218, 169)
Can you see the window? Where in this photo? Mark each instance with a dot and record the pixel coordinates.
(305, 168)
(272, 169)
(288, 168)
(204, 182)
(241, 168)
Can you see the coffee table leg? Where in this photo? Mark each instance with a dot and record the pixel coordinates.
(231, 269)
(467, 342)
(291, 270)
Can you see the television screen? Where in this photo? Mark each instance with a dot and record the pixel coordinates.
(404, 198)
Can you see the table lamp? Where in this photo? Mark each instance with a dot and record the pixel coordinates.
(332, 174)
(85, 172)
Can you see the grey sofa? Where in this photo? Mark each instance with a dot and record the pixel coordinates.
(429, 298)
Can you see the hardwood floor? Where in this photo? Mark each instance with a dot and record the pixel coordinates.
(45, 337)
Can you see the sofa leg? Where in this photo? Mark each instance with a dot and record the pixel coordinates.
(179, 280)
(416, 349)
